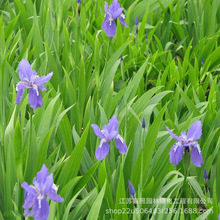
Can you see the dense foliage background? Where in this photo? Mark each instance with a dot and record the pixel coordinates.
(162, 79)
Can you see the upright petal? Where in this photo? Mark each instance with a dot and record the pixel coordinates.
(112, 124)
(102, 150)
(120, 144)
(117, 13)
(114, 6)
(41, 209)
(176, 153)
(35, 100)
(121, 19)
(196, 156)
(52, 194)
(97, 131)
(173, 135)
(195, 131)
(48, 184)
(42, 174)
(25, 70)
(41, 80)
(106, 7)
(112, 135)
(109, 26)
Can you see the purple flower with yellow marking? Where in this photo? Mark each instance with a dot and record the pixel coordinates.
(111, 13)
(108, 133)
(30, 80)
(36, 204)
(187, 144)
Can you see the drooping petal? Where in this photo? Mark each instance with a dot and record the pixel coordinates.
(42, 80)
(121, 19)
(112, 124)
(102, 150)
(41, 209)
(25, 70)
(196, 156)
(109, 26)
(20, 91)
(35, 98)
(131, 189)
(173, 135)
(42, 174)
(97, 131)
(120, 144)
(28, 213)
(29, 189)
(176, 153)
(195, 131)
(29, 201)
(52, 194)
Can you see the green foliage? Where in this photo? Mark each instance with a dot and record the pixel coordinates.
(161, 79)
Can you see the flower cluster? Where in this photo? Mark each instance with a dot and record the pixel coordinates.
(111, 13)
(108, 133)
(187, 144)
(36, 204)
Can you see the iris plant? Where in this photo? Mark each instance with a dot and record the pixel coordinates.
(30, 80)
(36, 204)
(187, 143)
(111, 13)
(108, 133)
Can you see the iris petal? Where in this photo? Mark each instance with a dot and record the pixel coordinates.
(25, 70)
(176, 153)
(120, 144)
(195, 131)
(102, 150)
(43, 79)
(109, 26)
(41, 212)
(196, 156)
(97, 131)
(35, 98)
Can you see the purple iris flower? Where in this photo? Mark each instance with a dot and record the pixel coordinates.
(30, 80)
(36, 204)
(131, 189)
(108, 133)
(187, 143)
(219, 217)
(111, 13)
